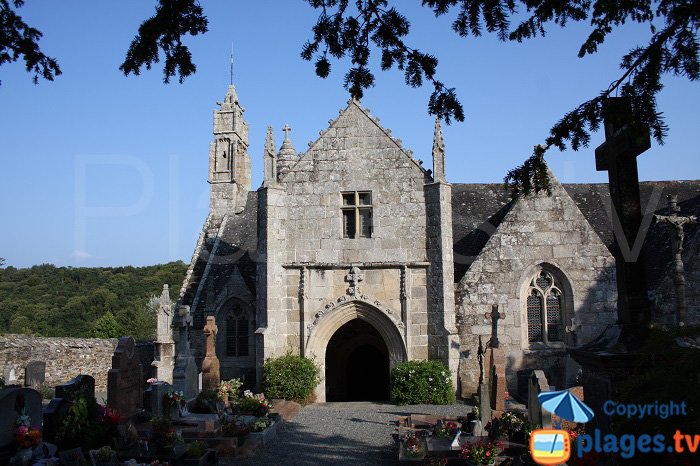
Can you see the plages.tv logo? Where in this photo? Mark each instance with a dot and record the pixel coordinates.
(553, 446)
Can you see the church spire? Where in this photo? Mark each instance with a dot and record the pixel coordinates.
(438, 153)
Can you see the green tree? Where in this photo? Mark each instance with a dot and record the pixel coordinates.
(356, 29)
(21, 324)
(106, 326)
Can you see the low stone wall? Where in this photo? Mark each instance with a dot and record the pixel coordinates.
(65, 357)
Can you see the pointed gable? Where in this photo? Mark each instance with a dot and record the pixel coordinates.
(358, 138)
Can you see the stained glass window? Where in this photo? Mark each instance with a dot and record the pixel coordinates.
(237, 332)
(545, 322)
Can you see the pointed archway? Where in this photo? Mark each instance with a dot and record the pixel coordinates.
(355, 344)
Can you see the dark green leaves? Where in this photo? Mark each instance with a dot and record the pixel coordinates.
(164, 31)
(19, 40)
(339, 32)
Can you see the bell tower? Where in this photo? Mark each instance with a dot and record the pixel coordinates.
(229, 163)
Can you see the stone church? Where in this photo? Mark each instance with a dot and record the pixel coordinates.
(356, 255)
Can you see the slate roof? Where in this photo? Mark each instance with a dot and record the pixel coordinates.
(478, 209)
(236, 248)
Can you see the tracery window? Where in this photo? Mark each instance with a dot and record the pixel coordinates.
(237, 332)
(545, 322)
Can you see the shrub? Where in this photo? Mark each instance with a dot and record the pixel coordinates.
(290, 377)
(422, 382)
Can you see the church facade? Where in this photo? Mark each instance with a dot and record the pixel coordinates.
(357, 256)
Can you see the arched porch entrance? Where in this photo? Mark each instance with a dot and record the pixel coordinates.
(355, 345)
(357, 364)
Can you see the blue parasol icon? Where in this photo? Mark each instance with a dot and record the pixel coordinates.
(565, 405)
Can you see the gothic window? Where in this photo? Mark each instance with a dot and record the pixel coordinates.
(237, 332)
(357, 214)
(545, 323)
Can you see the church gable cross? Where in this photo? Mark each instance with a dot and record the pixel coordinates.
(624, 141)
(354, 278)
(286, 130)
(495, 316)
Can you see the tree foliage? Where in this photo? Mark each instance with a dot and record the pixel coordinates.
(360, 28)
(46, 300)
(19, 40)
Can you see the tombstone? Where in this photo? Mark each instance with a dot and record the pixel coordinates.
(34, 373)
(164, 360)
(124, 379)
(154, 397)
(536, 385)
(211, 375)
(9, 375)
(13, 403)
(185, 370)
(54, 414)
(495, 366)
(80, 386)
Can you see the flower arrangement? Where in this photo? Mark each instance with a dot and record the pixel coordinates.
(412, 445)
(512, 425)
(253, 403)
(105, 454)
(176, 398)
(436, 461)
(228, 389)
(261, 424)
(481, 452)
(28, 436)
(162, 433)
(151, 381)
(446, 430)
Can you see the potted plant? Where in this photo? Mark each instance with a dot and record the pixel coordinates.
(197, 453)
(412, 447)
(481, 453)
(228, 390)
(105, 456)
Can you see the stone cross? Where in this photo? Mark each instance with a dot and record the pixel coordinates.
(495, 316)
(624, 141)
(678, 222)
(211, 375)
(572, 329)
(286, 130)
(269, 158)
(354, 278)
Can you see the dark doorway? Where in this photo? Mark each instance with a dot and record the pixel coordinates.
(357, 364)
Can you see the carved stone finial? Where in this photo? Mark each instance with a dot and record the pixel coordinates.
(438, 153)
(286, 130)
(269, 160)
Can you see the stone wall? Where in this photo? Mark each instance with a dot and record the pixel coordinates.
(539, 232)
(65, 357)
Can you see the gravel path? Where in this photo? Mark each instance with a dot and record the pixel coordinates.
(341, 433)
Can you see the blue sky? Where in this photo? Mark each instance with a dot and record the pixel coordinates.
(99, 169)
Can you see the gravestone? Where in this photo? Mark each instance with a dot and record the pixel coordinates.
(80, 386)
(495, 366)
(211, 375)
(154, 397)
(54, 414)
(13, 403)
(185, 370)
(34, 373)
(9, 375)
(536, 385)
(124, 379)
